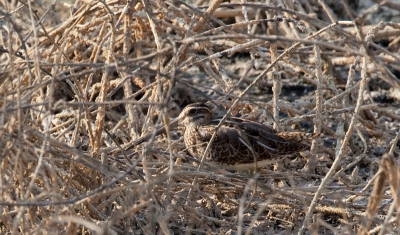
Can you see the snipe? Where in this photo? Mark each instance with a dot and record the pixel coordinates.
(239, 143)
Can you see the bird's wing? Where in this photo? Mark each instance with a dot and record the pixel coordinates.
(261, 137)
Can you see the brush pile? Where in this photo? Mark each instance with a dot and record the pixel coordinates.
(78, 87)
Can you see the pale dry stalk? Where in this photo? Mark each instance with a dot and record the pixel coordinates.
(276, 87)
(312, 159)
(343, 146)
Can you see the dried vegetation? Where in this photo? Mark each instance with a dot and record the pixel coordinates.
(76, 91)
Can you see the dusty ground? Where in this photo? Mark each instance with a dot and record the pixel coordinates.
(81, 82)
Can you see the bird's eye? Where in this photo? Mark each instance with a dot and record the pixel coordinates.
(193, 111)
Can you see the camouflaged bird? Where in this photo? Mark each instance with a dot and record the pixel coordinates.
(239, 143)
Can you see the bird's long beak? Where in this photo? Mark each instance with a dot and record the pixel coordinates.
(159, 130)
(174, 123)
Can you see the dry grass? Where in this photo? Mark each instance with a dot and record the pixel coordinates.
(76, 89)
